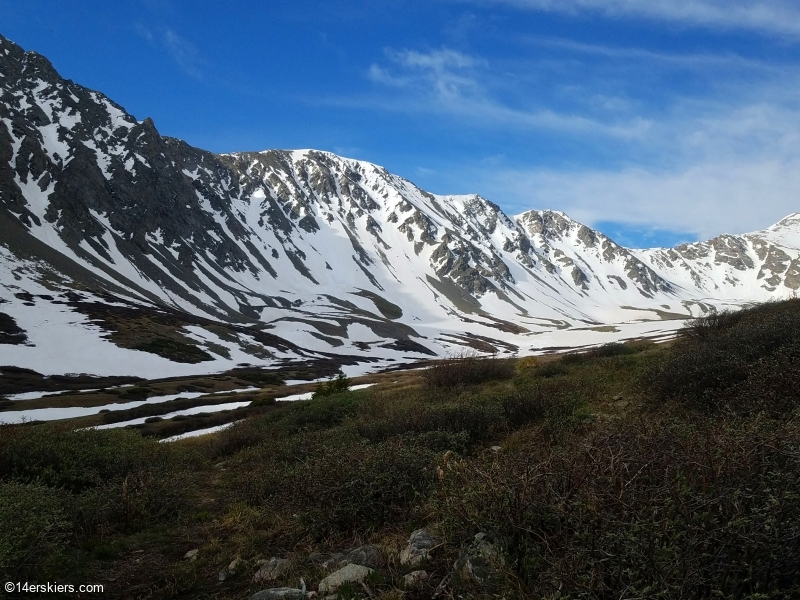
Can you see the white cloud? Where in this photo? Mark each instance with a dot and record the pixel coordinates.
(182, 52)
(459, 86)
(781, 17)
(692, 61)
(719, 154)
(705, 199)
(734, 170)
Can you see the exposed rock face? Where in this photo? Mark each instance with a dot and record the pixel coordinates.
(311, 245)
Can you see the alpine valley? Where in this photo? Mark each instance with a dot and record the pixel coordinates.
(124, 252)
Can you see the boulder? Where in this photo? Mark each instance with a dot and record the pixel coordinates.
(366, 556)
(420, 544)
(349, 574)
(271, 569)
(480, 560)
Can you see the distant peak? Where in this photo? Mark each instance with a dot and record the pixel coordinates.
(792, 219)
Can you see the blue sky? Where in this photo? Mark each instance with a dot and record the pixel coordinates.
(658, 122)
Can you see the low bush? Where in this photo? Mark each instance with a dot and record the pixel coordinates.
(640, 508)
(474, 418)
(320, 413)
(610, 349)
(335, 385)
(56, 456)
(36, 528)
(338, 485)
(242, 434)
(558, 401)
(60, 488)
(745, 362)
(467, 368)
(551, 368)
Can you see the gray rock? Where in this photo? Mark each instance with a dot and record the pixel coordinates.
(480, 560)
(420, 544)
(414, 579)
(230, 570)
(282, 593)
(191, 554)
(349, 574)
(271, 569)
(367, 556)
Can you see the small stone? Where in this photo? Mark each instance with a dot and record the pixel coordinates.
(420, 543)
(367, 556)
(415, 578)
(349, 574)
(234, 564)
(191, 554)
(282, 593)
(271, 569)
(230, 570)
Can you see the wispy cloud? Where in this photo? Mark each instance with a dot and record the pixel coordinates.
(723, 158)
(697, 61)
(780, 17)
(183, 53)
(460, 86)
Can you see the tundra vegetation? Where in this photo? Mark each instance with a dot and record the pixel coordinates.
(633, 470)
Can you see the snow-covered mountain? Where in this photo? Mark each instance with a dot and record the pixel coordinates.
(122, 251)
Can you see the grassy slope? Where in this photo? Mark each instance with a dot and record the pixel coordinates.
(636, 471)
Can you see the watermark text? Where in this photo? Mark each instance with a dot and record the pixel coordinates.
(24, 587)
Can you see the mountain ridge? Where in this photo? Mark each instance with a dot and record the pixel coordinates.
(295, 254)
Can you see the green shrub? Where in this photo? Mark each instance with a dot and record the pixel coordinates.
(335, 385)
(559, 401)
(320, 413)
(467, 368)
(242, 434)
(114, 479)
(655, 508)
(610, 349)
(56, 456)
(552, 368)
(476, 420)
(337, 485)
(35, 531)
(135, 393)
(746, 362)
